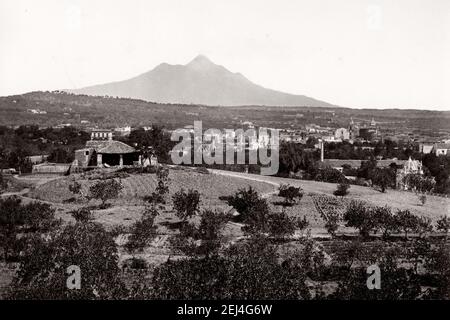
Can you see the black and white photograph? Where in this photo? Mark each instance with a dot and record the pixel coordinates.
(225, 156)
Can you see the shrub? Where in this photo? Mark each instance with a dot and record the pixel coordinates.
(330, 175)
(342, 189)
(75, 187)
(290, 193)
(422, 199)
(82, 215)
(186, 204)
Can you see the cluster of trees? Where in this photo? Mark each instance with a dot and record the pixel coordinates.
(22, 219)
(156, 139)
(17, 144)
(381, 219)
(439, 168)
(252, 269)
(386, 149)
(254, 211)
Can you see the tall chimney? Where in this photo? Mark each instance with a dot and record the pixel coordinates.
(321, 149)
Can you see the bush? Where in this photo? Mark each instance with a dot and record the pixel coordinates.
(290, 194)
(82, 215)
(186, 204)
(422, 199)
(330, 175)
(342, 189)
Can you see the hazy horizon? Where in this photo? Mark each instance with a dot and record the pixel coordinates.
(358, 54)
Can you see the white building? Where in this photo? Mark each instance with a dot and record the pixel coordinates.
(342, 134)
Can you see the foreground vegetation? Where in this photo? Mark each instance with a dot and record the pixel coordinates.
(274, 258)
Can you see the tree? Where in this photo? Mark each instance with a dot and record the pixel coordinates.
(332, 224)
(382, 178)
(204, 239)
(244, 200)
(406, 221)
(162, 188)
(61, 155)
(385, 220)
(290, 194)
(43, 268)
(186, 204)
(16, 219)
(249, 270)
(11, 219)
(342, 189)
(419, 183)
(142, 231)
(105, 190)
(359, 216)
(280, 225)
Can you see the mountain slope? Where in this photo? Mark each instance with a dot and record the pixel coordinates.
(199, 82)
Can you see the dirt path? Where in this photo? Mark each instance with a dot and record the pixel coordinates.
(250, 177)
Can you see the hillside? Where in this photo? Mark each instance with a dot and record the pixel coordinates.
(198, 82)
(61, 107)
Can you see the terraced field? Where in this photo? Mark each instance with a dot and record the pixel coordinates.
(136, 186)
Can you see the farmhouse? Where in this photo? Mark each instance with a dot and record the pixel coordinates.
(103, 151)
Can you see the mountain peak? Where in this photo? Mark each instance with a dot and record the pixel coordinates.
(200, 61)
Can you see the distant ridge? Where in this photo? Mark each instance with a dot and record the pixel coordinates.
(199, 82)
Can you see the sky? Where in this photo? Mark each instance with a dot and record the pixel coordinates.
(352, 53)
